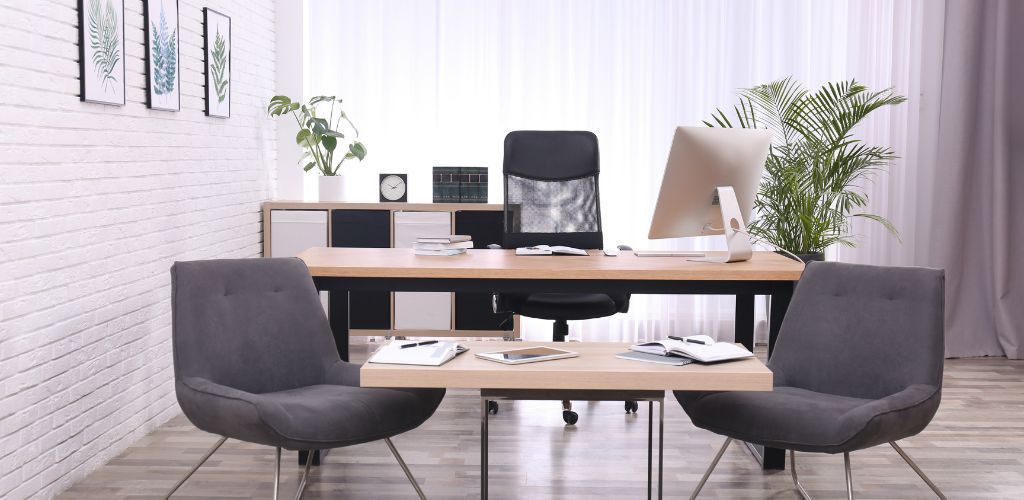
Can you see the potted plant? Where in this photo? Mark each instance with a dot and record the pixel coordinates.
(321, 140)
(816, 167)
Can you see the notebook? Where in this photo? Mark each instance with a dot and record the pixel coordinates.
(443, 252)
(549, 250)
(661, 359)
(425, 355)
(709, 352)
(454, 238)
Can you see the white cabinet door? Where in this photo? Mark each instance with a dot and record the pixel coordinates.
(422, 310)
(292, 231)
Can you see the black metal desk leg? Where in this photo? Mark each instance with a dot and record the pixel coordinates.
(339, 321)
(775, 458)
(483, 448)
(780, 303)
(745, 320)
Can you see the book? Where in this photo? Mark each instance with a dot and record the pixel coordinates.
(549, 250)
(434, 354)
(454, 238)
(442, 252)
(443, 246)
(708, 352)
(655, 358)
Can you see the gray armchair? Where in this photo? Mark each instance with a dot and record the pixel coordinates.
(858, 363)
(255, 360)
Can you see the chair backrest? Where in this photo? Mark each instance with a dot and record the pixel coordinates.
(252, 324)
(862, 331)
(551, 189)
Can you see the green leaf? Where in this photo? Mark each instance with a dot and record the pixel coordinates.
(329, 143)
(357, 150)
(309, 166)
(302, 137)
(105, 41)
(219, 66)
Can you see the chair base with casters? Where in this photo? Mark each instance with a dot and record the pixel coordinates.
(800, 487)
(305, 472)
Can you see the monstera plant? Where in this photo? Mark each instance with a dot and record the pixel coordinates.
(325, 146)
(816, 168)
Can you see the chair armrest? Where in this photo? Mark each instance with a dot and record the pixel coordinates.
(906, 399)
(342, 373)
(211, 388)
(625, 248)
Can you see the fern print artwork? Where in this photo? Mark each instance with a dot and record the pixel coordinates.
(162, 65)
(217, 43)
(219, 67)
(101, 50)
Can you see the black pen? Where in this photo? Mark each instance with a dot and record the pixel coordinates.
(692, 341)
(428, 342)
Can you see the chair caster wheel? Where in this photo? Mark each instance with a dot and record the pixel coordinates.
(632, 406)
(570, 417)
(492, 407)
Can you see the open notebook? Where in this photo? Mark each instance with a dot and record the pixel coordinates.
(424, 355)
(709, 352)
(549, 250)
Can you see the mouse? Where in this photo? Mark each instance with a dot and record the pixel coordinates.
(611, 252)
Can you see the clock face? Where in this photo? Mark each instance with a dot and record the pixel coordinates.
(392, 187)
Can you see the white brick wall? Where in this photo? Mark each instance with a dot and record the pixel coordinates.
(96, 202)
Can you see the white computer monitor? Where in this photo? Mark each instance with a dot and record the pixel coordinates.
(711, 176)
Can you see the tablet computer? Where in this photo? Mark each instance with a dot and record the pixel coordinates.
(526, 355)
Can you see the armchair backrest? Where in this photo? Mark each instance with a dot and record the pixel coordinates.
(551, 189)
(862, 331)
(251, 324)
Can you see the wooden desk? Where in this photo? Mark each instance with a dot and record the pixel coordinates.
(595, 375)
(341, 270)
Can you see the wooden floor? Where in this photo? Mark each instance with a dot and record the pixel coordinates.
(973, 449)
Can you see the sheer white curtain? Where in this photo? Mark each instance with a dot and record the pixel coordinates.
(442, 82)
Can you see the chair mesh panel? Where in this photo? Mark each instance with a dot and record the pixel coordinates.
(563, 206)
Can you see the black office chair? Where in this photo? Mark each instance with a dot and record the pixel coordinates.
(552, 198)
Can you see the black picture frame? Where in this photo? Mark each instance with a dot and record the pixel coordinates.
(209, 91)
(83, 85)
(147, 55)
(405, 195)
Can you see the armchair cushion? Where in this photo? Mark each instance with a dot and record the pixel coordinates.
(313, 417)
(804, 420)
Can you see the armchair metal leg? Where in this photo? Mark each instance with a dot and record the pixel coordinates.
(849, 477)
(796, 480)
(711, 468)
(913, 465)
(405, 468)
(196, 467)
(277, 472)
(305, 476)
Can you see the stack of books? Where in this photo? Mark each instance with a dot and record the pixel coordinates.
(445, 245)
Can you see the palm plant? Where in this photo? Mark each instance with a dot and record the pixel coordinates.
(816, 168)
(318, 134)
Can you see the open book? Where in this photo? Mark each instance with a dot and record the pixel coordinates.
(549, 250)
(708, 352)
(435, 354)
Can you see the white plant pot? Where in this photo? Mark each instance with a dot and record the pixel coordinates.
(336, 188)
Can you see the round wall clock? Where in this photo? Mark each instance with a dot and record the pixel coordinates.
(393, 188)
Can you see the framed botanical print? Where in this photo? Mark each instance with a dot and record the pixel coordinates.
(163, 80)
(101, 51)
(217, 46)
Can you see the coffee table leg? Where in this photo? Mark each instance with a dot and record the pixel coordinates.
(661, 445)
(650, 447)
(483, 448)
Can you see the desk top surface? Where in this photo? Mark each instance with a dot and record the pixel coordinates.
(596, 368)
(504, 264)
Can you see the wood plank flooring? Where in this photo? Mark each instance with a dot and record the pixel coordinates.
(973, 449)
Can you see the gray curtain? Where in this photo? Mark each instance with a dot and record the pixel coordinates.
(977, 195)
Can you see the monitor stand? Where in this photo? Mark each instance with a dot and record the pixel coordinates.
(736, 239)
